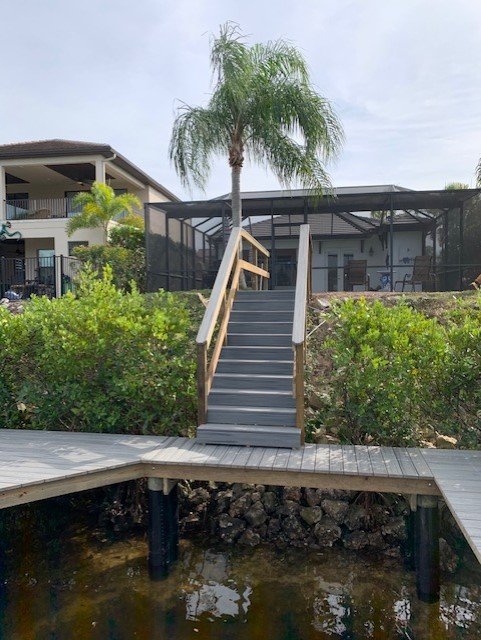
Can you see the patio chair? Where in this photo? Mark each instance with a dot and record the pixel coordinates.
(355, 273)
(422, 273)
(476, 283)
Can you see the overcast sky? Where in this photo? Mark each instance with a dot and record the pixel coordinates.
(403, 75)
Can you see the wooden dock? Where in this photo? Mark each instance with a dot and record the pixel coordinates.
(35, 465)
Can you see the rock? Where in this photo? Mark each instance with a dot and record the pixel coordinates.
(239, 507)
(289, 508)
(292, 493)
(255, 496)
(313, 497)
(445, 442)
(199, 496)
(355, 517)
(426, 444)
(256, 515)
(327, 439)
(311, 515)
(249, 538)
(320, 398)
(230, 528)
(447, 557)
(293, 528)
(379, 514)
(356, 540)
(376, 540)
(223, 500)
(318, 435)
(395, 530)
(270, 502)
(321, 303)
(273, 527)
(337, 494)
(335, 509)
(327, 532)
(393, 552)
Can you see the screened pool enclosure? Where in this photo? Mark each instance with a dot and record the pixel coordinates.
(382, 238)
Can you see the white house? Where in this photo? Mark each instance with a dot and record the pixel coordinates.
(38, 181)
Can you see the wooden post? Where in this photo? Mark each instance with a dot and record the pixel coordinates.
(202, 383)
(163, 526)
(255, 284)
(299, 387)
(427, 548)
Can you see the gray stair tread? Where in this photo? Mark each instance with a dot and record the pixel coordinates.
(244, 409)
(260, 392)
(249, 435)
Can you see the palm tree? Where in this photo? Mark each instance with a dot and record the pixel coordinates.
(99, 207)
(263, 106)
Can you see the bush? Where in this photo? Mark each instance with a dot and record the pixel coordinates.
(127, 236)
(385, 361)
(105, 361)
(127, 264)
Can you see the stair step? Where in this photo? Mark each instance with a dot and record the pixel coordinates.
(251, 415)
(248, 435)
(265, 306)
(260, 327)
(261, 316)
(252, 398)
(259, 339)
(248, 381)
(276, 294)
(276, 367)
(256, 353)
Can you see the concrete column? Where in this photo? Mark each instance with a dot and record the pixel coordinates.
(100, 171)
(163, 526)
(427, 548)
(3, 194)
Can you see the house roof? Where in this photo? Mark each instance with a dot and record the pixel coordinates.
(332, 224)
(58, 148)
(301, 193)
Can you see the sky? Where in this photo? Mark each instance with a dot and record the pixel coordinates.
(404, 77)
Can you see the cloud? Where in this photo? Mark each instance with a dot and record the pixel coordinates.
(403, 76)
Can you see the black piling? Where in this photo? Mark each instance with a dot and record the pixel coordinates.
(163, 526)
(427, 548)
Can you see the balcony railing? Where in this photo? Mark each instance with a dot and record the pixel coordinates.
(40, 208)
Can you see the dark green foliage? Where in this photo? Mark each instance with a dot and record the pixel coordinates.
(127, 264)
(393, 376)
(127, 236)
(105, 361)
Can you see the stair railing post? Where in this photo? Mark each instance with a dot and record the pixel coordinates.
(202, 383)
(255, 284)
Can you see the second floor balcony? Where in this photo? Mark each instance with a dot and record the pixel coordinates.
(39, 208)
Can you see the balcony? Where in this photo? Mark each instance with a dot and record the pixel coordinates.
(40, 208)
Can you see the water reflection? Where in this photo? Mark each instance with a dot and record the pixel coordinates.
(77, 587)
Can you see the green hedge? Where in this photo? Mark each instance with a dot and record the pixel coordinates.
(105, 360)
(391, 375)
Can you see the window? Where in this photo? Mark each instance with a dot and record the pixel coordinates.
(11, 197)
(332, 272)
(76, 243)
(46, 266)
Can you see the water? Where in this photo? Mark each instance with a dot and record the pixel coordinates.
(77, 585)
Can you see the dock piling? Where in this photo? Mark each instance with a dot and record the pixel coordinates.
(163, 526)
(427, 548)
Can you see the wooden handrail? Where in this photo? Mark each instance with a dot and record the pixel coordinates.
(220, 303)
(303, 293)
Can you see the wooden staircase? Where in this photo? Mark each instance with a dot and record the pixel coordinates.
(252, 392)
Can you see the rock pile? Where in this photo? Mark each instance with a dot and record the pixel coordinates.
(251, 514)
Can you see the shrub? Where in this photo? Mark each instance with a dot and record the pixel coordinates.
(127, 264)
(385, 362)
(127, 236)
(105, 361)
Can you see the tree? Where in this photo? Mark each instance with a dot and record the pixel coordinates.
(99, 207)
(263, 106)
(454, 186)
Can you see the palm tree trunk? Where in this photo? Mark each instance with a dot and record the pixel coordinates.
(236, 204)
(236, 197)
